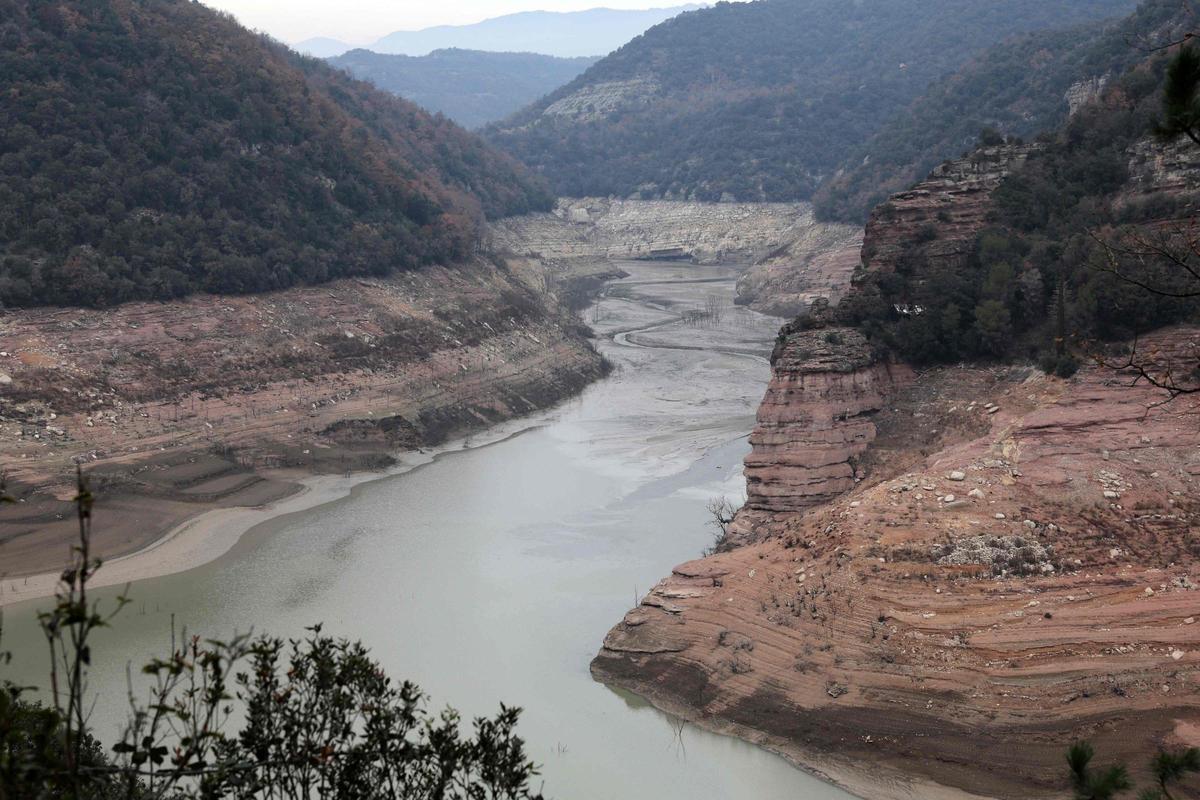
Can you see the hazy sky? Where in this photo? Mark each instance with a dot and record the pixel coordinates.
(364, 21)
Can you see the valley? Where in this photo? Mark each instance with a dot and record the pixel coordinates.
(461, 576)
(792, 399)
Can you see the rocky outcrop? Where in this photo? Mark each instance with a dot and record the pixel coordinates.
(1016, 572)
(1080, 93)
(819, 262)
(707, 233)
(598, 101)
(931, 569)
(940, 217)
(1158, 170)
(815, 421)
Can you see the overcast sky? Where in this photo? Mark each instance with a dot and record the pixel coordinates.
(364, 21)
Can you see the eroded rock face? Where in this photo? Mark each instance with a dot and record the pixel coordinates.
(1158, 170)
(1019, 575)
(941, 215)
(707, 233)
(815, 419)
(395, 362)
(1083, 92)
(818, 263)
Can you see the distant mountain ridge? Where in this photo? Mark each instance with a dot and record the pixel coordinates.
(471, 87)
(154, 149)
(571, 34)
(762, 100)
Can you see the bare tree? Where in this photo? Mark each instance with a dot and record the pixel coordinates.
(723, 512)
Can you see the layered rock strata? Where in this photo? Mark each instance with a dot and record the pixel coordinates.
(1021, 575)
(818, 263)
(706, 233)
(940, 216)
(816, 419)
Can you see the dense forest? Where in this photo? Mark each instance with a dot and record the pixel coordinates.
(759, 101)
(471, 87)
(153, 149)
(1018, 88)
(1072, 243)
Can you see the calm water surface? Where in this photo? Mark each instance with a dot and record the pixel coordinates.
(494, 572)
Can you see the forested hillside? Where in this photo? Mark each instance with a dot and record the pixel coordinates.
(759, 101)
(1017, 88)
(1090, 241)
(471, 87)
(152, 149)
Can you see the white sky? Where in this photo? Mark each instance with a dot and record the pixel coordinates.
(364, 21)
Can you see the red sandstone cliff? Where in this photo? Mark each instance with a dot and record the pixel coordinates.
(941, 215)
(1017, 571)
(934, 569)
(815, 421)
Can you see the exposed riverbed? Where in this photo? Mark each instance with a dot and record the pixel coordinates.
(494, 572)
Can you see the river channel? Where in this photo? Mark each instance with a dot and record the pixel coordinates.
(493, 573)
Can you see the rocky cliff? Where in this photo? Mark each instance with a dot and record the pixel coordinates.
(932, 568)
(1017, 571)
(940, 216)
(814, 422)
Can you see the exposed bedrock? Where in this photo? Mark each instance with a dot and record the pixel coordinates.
(941, 215)
(709, 233)
(816, 419)
(1017, 571)
(818, 263)
(327, 378)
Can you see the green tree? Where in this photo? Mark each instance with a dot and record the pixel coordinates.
(1171, 767)
(1090, 784)
(993, 323)
(1181, 97)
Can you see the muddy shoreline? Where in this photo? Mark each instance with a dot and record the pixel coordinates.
(176, 409)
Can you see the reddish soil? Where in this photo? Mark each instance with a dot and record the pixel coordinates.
(998, 584)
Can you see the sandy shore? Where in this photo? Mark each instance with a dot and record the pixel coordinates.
(210, 534)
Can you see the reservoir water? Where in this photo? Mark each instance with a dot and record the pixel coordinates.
(493, 573)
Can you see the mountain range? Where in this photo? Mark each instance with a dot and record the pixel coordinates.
(471, 87)
(571, 34)
(759, 101)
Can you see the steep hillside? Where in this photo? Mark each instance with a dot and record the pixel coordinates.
(1006, 253)
(934, 565)
(757, 101)
(148, 150)
(471, 87)
(1021, 87)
